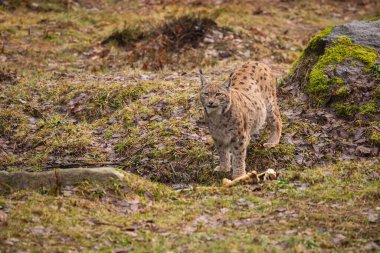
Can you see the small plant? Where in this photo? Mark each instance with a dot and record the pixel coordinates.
(368, 109)
(282, 183)
(342, 92)
(345, 109)
(375, 137)
(375, 70)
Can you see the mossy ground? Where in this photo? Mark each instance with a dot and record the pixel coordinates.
(305, 210)
(78, 102)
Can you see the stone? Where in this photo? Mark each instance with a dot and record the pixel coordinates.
(338, 70)
(366, 33)
(53, 179)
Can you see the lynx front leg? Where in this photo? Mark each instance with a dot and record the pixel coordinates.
(224, 157)
(239, 153)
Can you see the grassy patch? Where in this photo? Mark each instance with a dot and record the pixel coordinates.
(302, 210)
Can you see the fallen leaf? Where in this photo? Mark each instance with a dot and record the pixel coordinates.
(373, 217)
(339, 239)
(371, 246)
(11, 241)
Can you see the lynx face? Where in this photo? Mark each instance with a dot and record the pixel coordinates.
(215, 98)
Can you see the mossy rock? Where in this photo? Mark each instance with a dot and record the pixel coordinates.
(52, 180)
(340, 69)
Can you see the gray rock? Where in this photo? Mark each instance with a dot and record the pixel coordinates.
(10, 181)
(366, 33)
(349, 71)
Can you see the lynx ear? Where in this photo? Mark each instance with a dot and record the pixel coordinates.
(203, 80)
(227, 83)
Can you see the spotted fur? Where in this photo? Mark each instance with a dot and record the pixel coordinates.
(239, 108)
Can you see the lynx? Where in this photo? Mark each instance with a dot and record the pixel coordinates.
(239, 108)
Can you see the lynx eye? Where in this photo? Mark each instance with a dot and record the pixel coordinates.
(219, 94)
(205, 94)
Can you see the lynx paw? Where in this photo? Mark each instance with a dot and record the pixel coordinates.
(237, 175)
(270, 145)
(227, 182)
(222, 169)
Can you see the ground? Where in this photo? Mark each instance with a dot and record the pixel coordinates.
(309, 210)
(69, 98)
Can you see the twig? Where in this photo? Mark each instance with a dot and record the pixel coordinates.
(75, 165)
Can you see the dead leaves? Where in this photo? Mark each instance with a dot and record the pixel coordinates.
(7, 76)
(321, 137)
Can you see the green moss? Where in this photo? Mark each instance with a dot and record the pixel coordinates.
(368, 109)
(342, 50)
(336, 81)
(312, 139)
(372, 19)
(314, 43)
(375, 137)
(342, 92)
(345, 109)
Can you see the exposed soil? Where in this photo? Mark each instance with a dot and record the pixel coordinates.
(165, 45)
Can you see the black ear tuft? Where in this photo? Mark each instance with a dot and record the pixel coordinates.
(227, 83)
(203, 80)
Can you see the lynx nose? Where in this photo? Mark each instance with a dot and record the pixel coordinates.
(210, 103)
